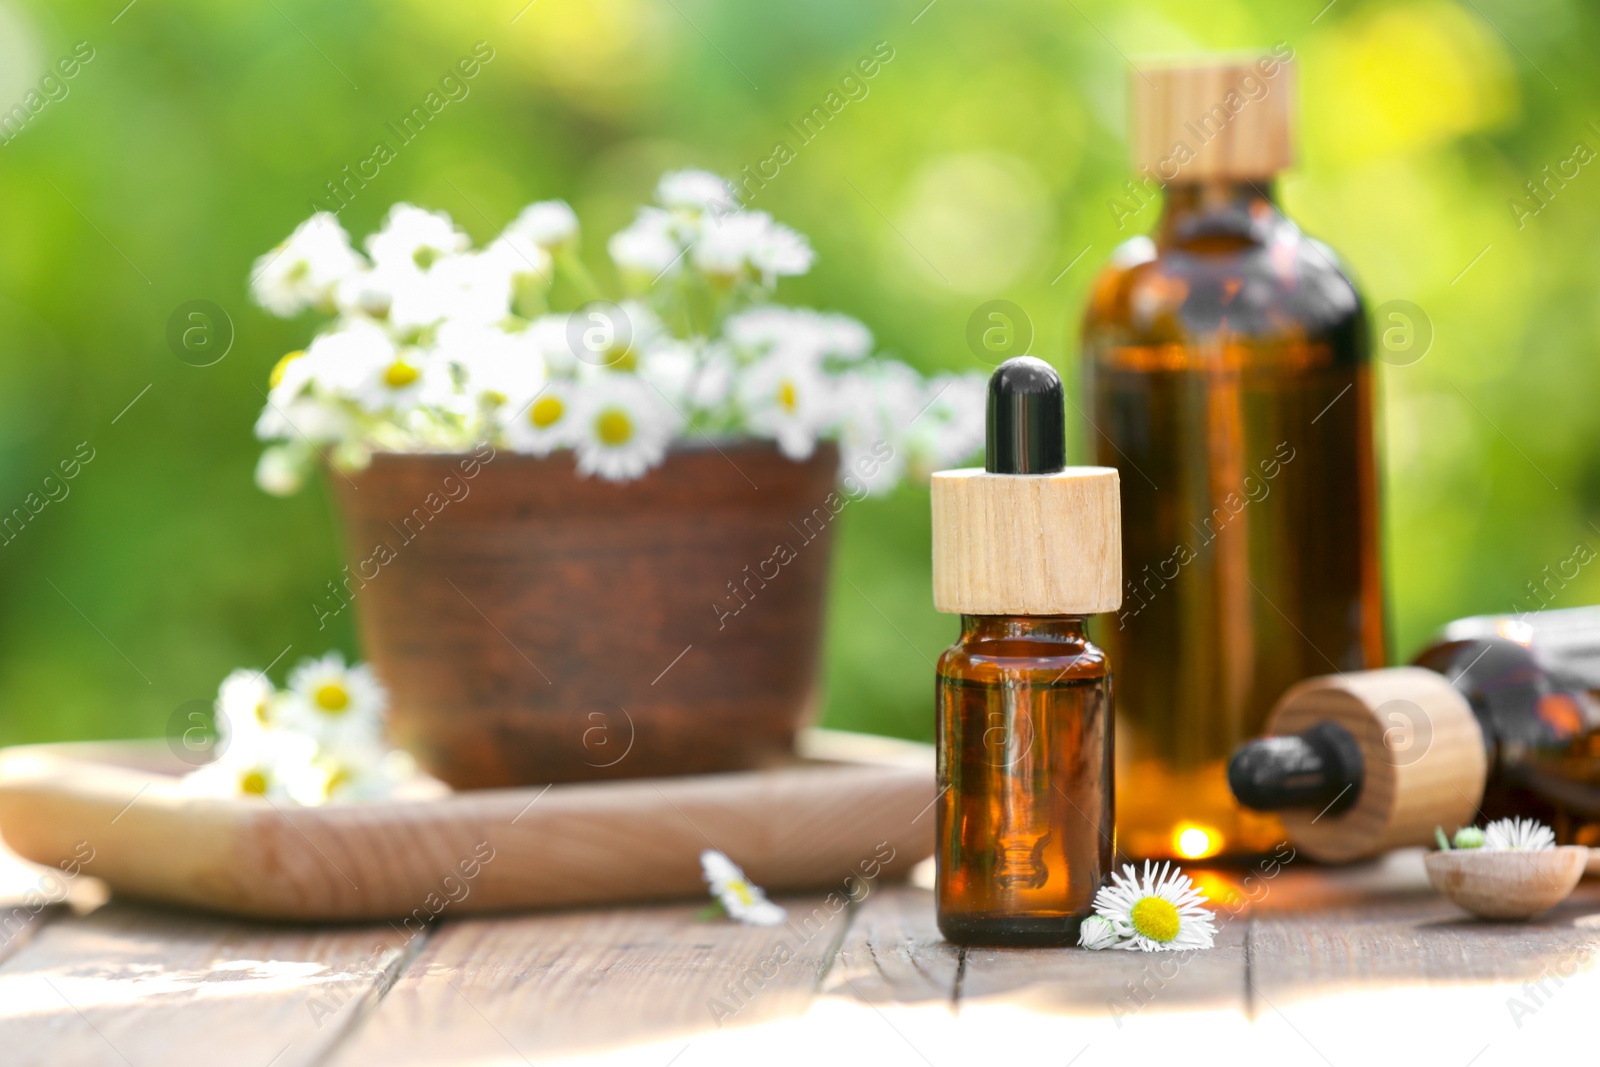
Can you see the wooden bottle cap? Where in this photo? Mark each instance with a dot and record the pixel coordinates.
(1213, 120)
(1423, 753)
(1027, 544)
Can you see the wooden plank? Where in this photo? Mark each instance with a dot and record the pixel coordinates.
(888, 996)
(1349, 961)
(893, 953)
(32, 895)
(646, 983)
(133, 985)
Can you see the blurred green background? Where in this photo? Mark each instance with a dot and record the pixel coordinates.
(992, 143)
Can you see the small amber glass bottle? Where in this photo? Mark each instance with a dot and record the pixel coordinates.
(1024, 550)
(1229, 379)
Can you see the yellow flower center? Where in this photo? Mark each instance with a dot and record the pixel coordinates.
(622, 359)
(340, 778)
(332, 698)
(1155, 918)
(614, 427)
(254, 783)
(282, 365)
(263, 712)
(742, 891)
(547, 411)
(788, 397)
(400, 375)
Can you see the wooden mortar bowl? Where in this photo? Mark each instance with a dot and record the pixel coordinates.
(1509, 884)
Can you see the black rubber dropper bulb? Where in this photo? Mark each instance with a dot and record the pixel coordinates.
(1027, 420)
(1321, 768)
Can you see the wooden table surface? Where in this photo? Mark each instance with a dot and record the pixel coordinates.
(1355, 966)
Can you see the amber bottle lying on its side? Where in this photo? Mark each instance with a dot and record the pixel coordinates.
(1526, 742)
(1228, 379)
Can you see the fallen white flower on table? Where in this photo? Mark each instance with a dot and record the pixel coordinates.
(1157, 911)
(274, 764)
(319, 740)
(742, 900)
(1518, 835)
(339, 707)
(1097, 932)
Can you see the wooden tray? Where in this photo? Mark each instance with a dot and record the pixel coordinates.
(850, 805)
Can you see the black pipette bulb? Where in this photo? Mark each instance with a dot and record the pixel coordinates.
(1027, 419)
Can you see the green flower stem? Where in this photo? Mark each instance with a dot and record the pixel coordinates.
(567, 261)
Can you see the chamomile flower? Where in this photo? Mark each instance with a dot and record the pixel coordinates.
(370, 775)
(610, 338)
(335, 365)
(524, 262)
(779, 252)
(767, 328)
(1097, 932)
(244, 708)
(544, 422)
(874, 407)
(673, 367)
(305, 420)
(435, 347)
(624, 428)
(494, 366)
(648, 249)
(475, 287)
(786, 398)
(749, 241)
(282, 469)
(305, 270)
(548, 224)
(340, 707)
(695, 190)
(413, 239)
(1520, 835)
(950, 427)
(365, 294)
(1156, 911)
(408, 377)
(742, 900)
(276, 765)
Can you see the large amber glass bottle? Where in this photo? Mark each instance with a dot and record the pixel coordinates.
(1226, 362)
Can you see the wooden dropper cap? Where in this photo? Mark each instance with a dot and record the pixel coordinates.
(1027, 535)
(1422, 761)
(1226, 119)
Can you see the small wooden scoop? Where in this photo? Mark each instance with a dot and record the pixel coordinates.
(1506, 884)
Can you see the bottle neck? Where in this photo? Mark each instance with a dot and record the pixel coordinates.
(1216, 207)
(1032, 627)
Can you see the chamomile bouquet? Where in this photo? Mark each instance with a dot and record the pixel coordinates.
(434, 346)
